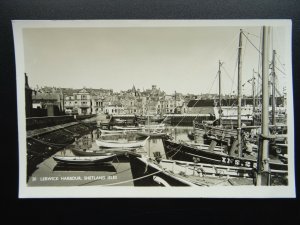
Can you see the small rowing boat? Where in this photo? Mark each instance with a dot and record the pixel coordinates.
(127, 128)
(79, 152)
(83, 160)
(112, 131)
(114, 144)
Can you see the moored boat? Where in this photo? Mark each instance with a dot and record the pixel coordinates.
(116, 144)
(184, 152)
(131, 128)
(111, 131)
(145, 173)
(83, 160)
(162, 172)
(79, 152)
(152, 133)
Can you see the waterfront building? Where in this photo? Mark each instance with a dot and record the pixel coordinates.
(114, 110)
(28, 98)
(80, 102)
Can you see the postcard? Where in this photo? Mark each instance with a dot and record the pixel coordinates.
(155, 108)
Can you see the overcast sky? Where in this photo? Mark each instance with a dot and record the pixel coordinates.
(182, 59)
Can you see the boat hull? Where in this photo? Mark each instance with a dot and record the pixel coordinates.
(107, 144)
(92, 160)
(144, 174)
(152, 135)
(89, 153)
(178, 151)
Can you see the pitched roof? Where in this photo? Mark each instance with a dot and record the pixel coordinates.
(45, 96)
(201, 103)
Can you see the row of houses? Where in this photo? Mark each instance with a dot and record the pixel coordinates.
(83, 102)
(53, 101)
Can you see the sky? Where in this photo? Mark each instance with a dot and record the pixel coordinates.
(181, 59)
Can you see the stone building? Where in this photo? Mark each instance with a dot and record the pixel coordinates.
(28, 98)
(79, 103)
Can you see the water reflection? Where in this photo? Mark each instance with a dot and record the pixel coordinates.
(103, 167)
(120, 166)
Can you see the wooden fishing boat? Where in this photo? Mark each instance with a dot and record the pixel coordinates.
(128, 128)
(104, 167)
(80, 152)
(116, 144)
(184, 152)
(152, 133)
(111, 131)
(161, 172)
(83, 160)
(153, 126)
(145, 173)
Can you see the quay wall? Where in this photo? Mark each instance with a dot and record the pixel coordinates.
(44, 145)
(41, 122)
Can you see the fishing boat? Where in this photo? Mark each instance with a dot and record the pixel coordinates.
(83, 160)
(236, 156)
(104, 167)
(152, 126)
(128, 128)
(80, 152)
(122, 144)
(184, 152)
(145, 173)
(162, 172)
(152, 133)
(111, 131)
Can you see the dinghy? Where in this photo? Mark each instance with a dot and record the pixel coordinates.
(83, 160)
(114, 144)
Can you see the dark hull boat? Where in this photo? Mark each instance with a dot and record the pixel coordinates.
(163, 172)
(85, 168)
(184, 152)
(149, 174)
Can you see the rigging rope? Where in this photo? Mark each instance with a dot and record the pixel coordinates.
(261, 52)
(197, 102)
(221, 53)
(49, 143)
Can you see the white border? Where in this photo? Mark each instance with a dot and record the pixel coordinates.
(148, 192)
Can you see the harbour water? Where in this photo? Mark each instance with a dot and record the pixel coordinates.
(117, 173)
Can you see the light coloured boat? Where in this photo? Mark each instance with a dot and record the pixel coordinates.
(127, 128)
(83, 160)
(112, 131)
(153, 133)
(114, 144)
(80, 152)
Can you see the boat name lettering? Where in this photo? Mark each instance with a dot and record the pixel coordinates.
(238, 162)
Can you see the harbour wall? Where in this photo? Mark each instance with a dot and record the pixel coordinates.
(41, 122)
(42, 143)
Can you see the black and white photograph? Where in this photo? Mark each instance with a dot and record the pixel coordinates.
(155, 108)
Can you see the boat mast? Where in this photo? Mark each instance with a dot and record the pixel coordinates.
(253, 91)
(220, 98)
(273, 89)
(263, 153)
(240, 94)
